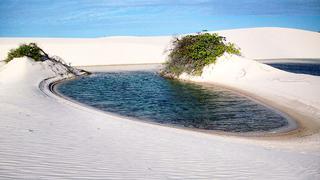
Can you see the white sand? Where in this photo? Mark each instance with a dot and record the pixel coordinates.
(44, 136)
(275, 43)
(263, 80)
(99, 51)
(255, 43)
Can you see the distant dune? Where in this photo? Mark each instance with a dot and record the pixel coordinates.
(255, 43)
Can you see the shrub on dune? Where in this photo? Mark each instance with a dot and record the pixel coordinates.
(32, 50)
(192, 52)
(29, 50)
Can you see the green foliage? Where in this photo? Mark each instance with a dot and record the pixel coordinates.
(192, 52)
(29, 50)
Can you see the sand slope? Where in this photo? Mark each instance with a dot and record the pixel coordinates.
(275, 43)
(263, 80)
(255, 43)
(45, 137)
(48, 137)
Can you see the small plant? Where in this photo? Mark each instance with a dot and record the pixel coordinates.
(192, 52)
(29, 50)
(32, 50)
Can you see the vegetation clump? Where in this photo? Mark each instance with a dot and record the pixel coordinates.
(32, 50)
(192, 52)
(29, 50)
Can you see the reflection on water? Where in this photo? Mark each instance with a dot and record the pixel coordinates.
(147, 96)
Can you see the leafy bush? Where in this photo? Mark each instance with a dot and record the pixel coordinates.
(29, 50)
(192, 52)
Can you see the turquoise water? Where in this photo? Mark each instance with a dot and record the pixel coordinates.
(147, 96)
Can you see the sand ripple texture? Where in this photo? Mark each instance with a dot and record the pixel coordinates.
(50, 138)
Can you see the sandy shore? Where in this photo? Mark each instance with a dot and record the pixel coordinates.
(305, 124)
(45, 136)
(55, 137)
(295, 95)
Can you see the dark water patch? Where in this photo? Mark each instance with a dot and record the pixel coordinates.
(147, 96)
(299, 66)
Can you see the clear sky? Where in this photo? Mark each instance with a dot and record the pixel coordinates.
(96, 18)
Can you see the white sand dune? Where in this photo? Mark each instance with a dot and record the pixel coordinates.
(46, 137)
(298, 91)
(255, 43)
(275, 43)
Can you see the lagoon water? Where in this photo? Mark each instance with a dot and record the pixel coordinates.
(146, 96)
(300, 68)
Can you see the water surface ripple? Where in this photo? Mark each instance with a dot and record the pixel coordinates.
(147, 96)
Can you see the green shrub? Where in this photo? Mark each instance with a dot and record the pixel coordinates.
(29, 50)
(192, 52)
(36, 53)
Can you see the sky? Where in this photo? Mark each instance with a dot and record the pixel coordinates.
(97, 18)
